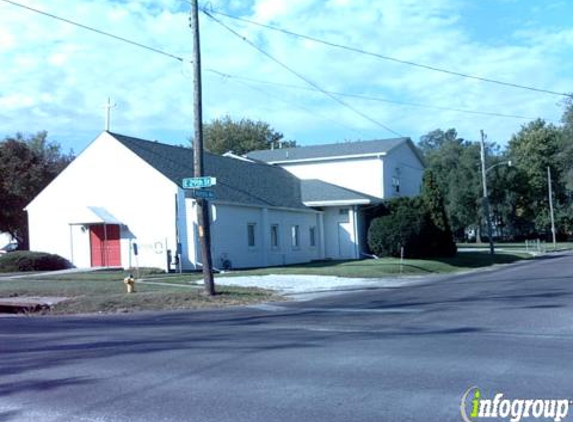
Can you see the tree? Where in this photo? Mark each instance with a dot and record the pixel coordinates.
(434, 140)
(565, 214)
(566, 143)
(453, 163)
(241, 137)
(507, 192)
(533, 149)
(27, 165)
(440, 238)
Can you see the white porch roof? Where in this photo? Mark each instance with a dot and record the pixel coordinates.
(94, 215)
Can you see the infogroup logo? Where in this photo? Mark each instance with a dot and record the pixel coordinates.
(474, 407)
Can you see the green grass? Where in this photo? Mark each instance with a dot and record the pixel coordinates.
(384, 267)
(105, 292)
(115, 275)
(515, 246)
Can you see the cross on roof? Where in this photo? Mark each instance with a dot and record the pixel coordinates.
(108, 106)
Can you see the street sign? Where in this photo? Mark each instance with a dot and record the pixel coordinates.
(199, 182)
(202, 194)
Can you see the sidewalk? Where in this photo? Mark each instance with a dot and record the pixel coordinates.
(36, 274)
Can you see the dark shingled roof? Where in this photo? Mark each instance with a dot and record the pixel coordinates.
(314, 190)
(238, 181)
(326, 151)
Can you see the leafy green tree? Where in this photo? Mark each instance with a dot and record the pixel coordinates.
(435, 140)
(533, 149)
(240, 137)
(508, 197)
(441, 238)
(565, 213)
(27, 165)
(565, 155)
(453, 162)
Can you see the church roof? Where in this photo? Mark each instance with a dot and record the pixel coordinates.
(238, 181)
(330, 151)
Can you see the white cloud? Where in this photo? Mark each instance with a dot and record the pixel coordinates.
(56, 76)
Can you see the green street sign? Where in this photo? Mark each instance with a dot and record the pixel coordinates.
(202, 194)
(199, 182)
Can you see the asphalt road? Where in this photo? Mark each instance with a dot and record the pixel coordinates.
(401, 354)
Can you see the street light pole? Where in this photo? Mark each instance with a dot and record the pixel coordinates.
(485, 198)
(550, 192)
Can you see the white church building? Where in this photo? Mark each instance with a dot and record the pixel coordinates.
(121, 203)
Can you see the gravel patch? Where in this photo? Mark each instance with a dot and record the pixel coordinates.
(294, 284)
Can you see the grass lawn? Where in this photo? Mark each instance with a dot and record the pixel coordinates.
(384, 267)
(516, 246)
(105, 292)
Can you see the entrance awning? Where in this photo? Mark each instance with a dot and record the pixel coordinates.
(94, 215)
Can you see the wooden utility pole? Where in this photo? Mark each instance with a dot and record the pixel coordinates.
(203, 222)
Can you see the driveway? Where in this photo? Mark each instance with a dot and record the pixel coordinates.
(404, 353)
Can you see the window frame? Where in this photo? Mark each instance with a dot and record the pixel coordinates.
(252, 235)
(277, 244)
(312, 236)
(295, 236)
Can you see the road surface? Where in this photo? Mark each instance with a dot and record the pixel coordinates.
(391, 354)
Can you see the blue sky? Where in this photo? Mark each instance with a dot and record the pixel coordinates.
(56, 77)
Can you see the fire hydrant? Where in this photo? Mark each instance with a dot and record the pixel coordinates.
(129, 283)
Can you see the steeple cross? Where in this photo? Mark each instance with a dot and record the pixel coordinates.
(108, 108)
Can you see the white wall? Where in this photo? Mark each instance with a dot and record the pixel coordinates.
(229, 236)
(108, 175)
(370, 175)
(359, 174)
(187, 225)
(402, 163)
(336, 227)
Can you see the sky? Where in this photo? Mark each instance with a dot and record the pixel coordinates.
(57, 77)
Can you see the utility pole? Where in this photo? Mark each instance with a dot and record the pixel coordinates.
(202, 204)
(485, 198)
(551, 207)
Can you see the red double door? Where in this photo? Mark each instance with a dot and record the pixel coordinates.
(105, 246)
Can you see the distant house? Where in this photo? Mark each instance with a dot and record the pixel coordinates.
(5, 239)
(121, 203)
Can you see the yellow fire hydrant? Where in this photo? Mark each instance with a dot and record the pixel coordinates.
(129, 283)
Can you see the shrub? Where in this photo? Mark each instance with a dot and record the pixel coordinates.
(409, 225)
(400, 228)
(32, 261)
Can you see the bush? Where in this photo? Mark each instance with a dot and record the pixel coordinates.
(408, 224)
(32, 261)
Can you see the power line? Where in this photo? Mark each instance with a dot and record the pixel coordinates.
(383, 57)
(97, 31)
(378, 99)
(314, 86)
(237, 80)
(300, 76)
